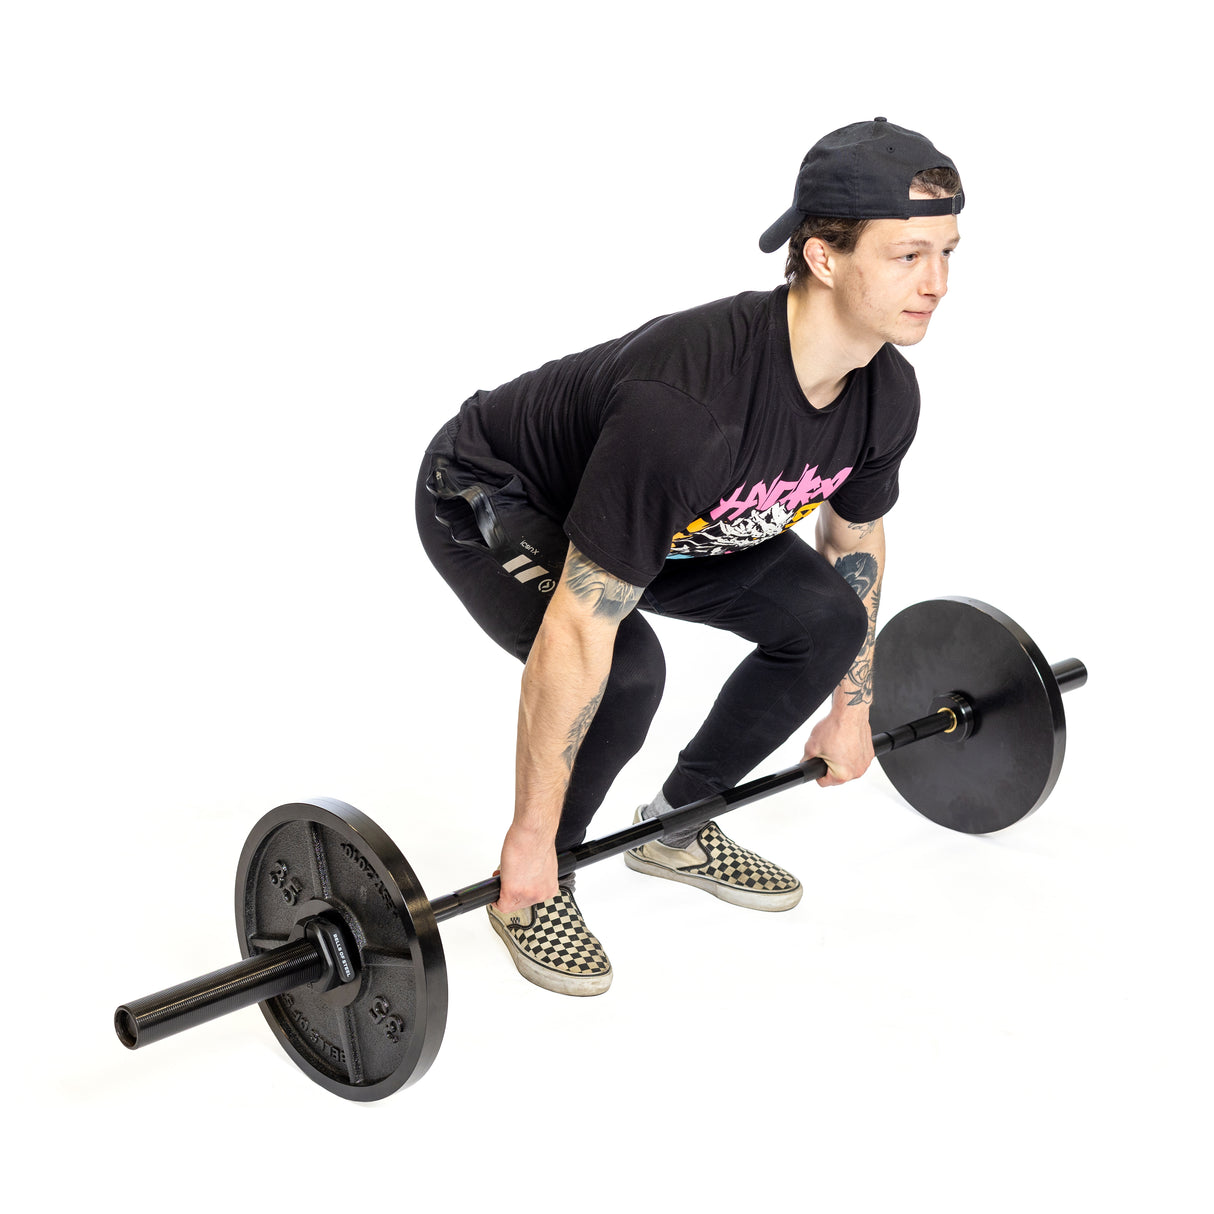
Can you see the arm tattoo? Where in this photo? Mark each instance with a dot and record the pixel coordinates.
(872, 617)
(609, 598)
(865, 529)
(861, 676)
(859, 570)
(581, 727)
(861, 673)
(862, 574)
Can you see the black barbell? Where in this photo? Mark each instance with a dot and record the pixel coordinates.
(341, 946)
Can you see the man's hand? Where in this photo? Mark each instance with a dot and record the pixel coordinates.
(528, 870)
(845, 741)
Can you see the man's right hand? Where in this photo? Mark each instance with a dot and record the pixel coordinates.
(528, 870)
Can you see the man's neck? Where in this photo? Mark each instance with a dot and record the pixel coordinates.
(823, 352)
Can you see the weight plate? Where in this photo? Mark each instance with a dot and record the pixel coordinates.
(366, 1039)
(1011, 761)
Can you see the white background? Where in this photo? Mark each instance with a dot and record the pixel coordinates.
(253, 255)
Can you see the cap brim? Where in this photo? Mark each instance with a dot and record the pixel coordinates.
(781, 231)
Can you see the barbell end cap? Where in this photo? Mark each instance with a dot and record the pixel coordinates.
(127, 1028)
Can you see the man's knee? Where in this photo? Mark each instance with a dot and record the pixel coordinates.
(823, 632)
(839, 635)
(638, 674)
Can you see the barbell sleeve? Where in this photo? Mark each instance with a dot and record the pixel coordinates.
(250, 981)
(1070, 673)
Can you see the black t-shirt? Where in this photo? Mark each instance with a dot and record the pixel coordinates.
(691, 437)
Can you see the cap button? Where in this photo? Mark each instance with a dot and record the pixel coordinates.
(880, 119)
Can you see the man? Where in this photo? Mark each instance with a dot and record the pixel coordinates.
(663, 470)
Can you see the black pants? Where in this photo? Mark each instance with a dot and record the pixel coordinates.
(502, 558)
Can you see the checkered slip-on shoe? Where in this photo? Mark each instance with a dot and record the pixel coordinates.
(551, 946)
(716, 864)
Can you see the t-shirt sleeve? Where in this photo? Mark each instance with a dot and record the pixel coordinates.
(658, 458)
(872, 489)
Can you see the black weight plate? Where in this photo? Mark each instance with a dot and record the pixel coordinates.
(381, 1032)
(1009, 764)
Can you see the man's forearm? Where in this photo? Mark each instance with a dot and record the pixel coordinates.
(563, 685)
(862, 568)
(856, 688)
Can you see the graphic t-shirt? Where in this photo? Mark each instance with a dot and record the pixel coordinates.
(691, 437)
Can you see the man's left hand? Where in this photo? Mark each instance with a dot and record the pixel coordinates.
(845, 741)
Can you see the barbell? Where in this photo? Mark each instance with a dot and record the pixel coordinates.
(340, 943)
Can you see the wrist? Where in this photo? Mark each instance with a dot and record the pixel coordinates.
(844, 707)
(532, 830)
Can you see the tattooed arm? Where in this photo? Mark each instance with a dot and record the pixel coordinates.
(563, 683)
(844, 738)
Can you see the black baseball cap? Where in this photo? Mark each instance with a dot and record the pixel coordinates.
(862, 171)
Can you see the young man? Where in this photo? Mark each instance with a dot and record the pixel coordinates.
(663, 470)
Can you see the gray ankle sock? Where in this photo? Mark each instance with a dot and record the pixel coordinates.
(679, 838)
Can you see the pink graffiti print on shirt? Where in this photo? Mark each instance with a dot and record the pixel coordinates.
(792, 495)
(749, 517)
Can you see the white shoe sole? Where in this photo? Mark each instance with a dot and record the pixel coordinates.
(550, 979)
(779, 900)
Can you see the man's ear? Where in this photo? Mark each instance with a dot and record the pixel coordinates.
(821, 260)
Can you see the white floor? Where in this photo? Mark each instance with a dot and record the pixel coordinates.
(255, 258)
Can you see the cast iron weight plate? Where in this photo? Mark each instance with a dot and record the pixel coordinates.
(1011, 761)
(381, 1032)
